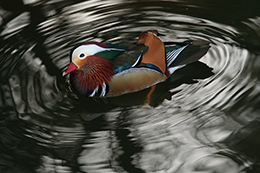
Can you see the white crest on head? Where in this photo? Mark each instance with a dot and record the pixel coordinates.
(83, 51)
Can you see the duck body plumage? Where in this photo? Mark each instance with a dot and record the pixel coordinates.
(104, 69)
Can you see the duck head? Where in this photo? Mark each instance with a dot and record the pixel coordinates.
(80, 55)
(88, 71)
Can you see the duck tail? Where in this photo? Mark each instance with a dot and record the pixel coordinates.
(185, 52)
(178, 54)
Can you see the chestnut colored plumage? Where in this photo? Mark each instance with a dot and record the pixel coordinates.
(94, 72)
(104, 69)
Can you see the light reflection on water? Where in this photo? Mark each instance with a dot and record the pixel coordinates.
(211, 125)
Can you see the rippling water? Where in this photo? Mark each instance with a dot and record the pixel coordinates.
(200, 122)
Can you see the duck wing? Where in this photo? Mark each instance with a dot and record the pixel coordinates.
(124, 56)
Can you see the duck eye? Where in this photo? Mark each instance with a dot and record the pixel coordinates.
(82, 55)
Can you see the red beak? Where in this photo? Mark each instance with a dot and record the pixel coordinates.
(70, 68)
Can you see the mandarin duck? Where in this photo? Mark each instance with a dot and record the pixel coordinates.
(105, 69)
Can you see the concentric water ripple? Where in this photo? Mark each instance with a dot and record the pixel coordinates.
(211, 125)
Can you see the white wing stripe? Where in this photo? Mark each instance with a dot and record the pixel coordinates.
(137, 61)
(94, 92)
(103, 93)
(171, 56)
(173, 69)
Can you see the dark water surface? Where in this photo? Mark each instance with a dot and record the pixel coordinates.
(209, 126)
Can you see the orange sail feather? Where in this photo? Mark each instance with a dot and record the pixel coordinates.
(156, 52)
